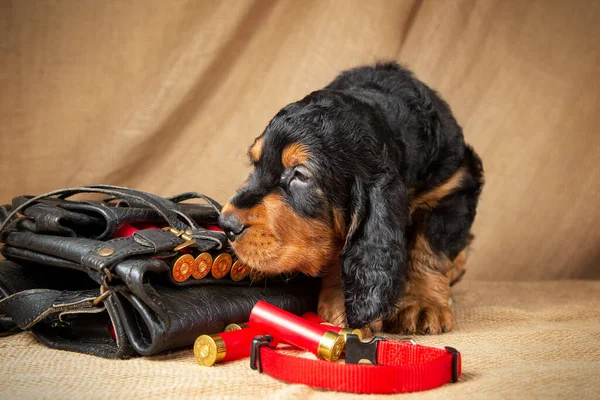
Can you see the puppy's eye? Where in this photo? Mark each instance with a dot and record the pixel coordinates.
(300, 175)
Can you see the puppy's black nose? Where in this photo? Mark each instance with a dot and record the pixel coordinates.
(231, 225)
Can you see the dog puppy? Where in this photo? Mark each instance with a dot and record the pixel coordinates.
(369, 184)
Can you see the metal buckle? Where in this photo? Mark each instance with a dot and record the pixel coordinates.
(257, 343)
(408, 339)
(107, 277)
(185, 235)
(455, 354)
(357, 350)
(104, 293)
(105, 289)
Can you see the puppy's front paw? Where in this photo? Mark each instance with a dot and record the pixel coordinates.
(372, 328)
(331, 306)
(425, 318)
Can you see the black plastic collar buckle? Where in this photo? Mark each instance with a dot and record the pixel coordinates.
(454, 353)
(357, 350)
(257, 343)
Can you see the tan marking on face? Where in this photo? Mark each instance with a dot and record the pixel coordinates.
(294, 154)
(256, 149)
(431, 198)
(228, 208)
(277, 240)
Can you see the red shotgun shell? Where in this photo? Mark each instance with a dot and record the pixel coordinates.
(202, 265)
(221, 265)
(127, 230)
(236, 327)
(289, 328)
(239, 271)
(246, 325)
(312, 317)
(182, 268)
(226, 346)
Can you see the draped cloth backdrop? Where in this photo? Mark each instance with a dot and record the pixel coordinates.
(166, 96)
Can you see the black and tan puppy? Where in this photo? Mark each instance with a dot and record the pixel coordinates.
(369, 184)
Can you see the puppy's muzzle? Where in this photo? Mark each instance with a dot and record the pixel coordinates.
(231, 225)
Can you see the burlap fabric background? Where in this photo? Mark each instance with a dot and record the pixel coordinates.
(165, 96)
(518, 340)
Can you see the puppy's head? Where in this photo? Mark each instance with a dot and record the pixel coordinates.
(321, 173)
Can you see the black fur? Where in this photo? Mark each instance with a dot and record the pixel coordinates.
(375, 134)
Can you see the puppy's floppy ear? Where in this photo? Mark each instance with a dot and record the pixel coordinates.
(374, 256)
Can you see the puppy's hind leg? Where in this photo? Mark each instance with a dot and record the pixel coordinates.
(437, 254)
(425, 304)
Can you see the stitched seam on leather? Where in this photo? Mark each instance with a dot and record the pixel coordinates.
(28, 321)
(156, 301)
(114, 215)
(110, 210)
(10, 287)
(171, 240)
(33, 321)
(99, 260)
(110, 300)
(119, 255)
(135, 312)
(14, 297)
(137, 322)
(130, 239)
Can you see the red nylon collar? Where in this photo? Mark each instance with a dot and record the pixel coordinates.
(401, 367)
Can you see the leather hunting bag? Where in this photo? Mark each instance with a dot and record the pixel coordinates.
(78, 283)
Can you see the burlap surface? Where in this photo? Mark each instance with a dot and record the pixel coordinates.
(518, 340)
(166, 96)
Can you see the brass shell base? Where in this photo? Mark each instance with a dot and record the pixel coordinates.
(347, 331)
(209, 350)
(331, 346)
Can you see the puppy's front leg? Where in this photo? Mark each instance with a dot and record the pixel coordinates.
(331, 298)
(331, 302)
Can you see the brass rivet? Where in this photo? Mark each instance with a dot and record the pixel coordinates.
(188, 232)
(106, 251)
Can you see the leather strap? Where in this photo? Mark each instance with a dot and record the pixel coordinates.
(86, 252)
(167, 208)
(27, 308)
(401, 367)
